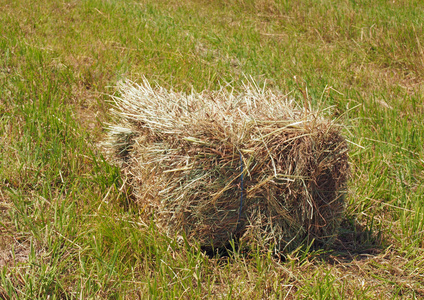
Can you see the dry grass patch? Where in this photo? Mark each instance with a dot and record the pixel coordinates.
(12, 247)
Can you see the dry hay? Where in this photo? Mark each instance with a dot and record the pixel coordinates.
(219, 165)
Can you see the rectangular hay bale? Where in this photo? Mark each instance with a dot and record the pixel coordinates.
(221, 165)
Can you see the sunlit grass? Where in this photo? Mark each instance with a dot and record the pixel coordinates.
(68, 230)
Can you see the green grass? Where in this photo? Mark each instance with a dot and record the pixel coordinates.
(66, 229)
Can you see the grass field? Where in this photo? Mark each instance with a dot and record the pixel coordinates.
(66, 231)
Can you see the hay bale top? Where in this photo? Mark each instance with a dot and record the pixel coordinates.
(217, 165)
(232, 114)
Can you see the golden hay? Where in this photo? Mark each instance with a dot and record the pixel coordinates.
(220, 165)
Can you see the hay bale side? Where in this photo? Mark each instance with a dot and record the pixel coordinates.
(217, 165)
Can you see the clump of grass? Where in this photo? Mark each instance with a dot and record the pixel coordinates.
(220, 165)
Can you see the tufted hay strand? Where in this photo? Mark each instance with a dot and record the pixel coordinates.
(220, 165)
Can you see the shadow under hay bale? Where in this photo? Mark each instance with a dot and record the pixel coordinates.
(219, 165)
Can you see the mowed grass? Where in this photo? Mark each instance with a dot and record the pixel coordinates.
(68, 230)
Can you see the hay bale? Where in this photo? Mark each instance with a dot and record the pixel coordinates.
(218, 165)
